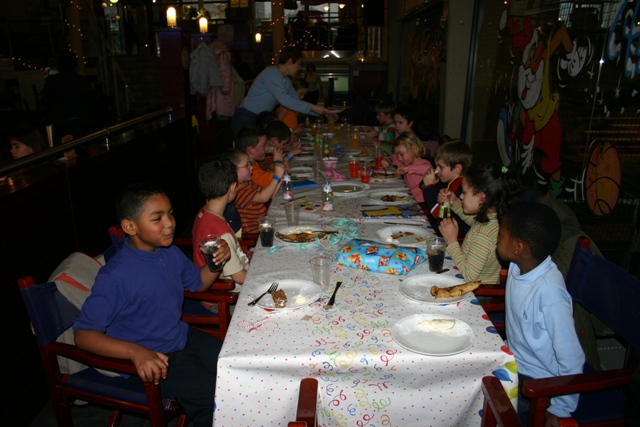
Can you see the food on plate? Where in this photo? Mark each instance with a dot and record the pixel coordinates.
(391, 198)
(437, 324)
(279, 298)
(455, 291)
(301, 237)
(301, 299)
(383, 175)
(400, 234)
(362, 153)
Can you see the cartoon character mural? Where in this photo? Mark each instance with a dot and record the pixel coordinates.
(531, 122)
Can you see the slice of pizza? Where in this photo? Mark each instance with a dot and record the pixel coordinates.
(455, 291)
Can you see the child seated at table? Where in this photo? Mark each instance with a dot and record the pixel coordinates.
(278, 137)
(488, 190)
(252, 199)
(452, 159)
(135, 306)
(252, 139)
(539, 312)
(406, 120)
(407, 157)
(386, 132)
(218, 182)
(290, 117)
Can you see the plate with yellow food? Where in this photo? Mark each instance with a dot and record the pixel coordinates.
(432, 334)
(389, 197)
(290, 295)
(404, 235)
(437, 289)
(302, 234)
(362, 154)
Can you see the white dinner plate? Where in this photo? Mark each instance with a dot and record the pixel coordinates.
(300, 293)
(349, 188)
(418, 288)
(383, 176)
(301, 172)
(359, 158)
(378, 195)
(299, 229)
(404, 235)
(304, 158)
(408, 333)
(335, 110)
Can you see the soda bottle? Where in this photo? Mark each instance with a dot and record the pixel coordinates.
(327, 197)
(287, 187)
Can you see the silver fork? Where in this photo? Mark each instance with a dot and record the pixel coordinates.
(272, 289)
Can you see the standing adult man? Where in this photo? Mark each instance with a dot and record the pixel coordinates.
(272, 87)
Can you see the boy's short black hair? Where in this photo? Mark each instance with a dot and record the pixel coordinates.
(249, 136)
(234, 155)
(278, 129)
(408, 112)
(536, 225)
(265, 118)
(455, 152)
(132, 198)
(215, 175)
(288, 53)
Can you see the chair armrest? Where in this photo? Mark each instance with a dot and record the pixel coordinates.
(94, 360)
(213, 295)
(492, 304)
(223, 285)
(578, 383)
(307, 397)
(490, 290)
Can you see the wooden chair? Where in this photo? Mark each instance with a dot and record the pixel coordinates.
(193, 312)
(51, 314)
(497, 409)
(613, 296)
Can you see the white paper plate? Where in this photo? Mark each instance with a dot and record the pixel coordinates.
(301, 171)
(304, 158)
(298, 229)
(335, 110)
(300, 293)
(418, 288)
(378, 195)
(408, 334)
(404, 235)
(384, 176)
(348, 188)
(355, 157)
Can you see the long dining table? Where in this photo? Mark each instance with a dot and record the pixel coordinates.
(365, 377)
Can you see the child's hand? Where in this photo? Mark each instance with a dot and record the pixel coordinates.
(402, 170)
(443, 195)
(551, 420)
(295, 151)
(277, 154)
(223, 254)
(372, 133)
(279, 169)
(430, 177)
(151, 365)
(449, 229)
(386, 163)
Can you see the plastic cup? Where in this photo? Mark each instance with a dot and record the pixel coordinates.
(355, 138)
(209, 245)
(379, 156)
(321, 270)
(436, 249)
(365, 172)
(354, 168)
(292, 211)
(332, 127)
(266, 228)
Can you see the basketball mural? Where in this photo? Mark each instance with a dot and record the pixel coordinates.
(602, 179)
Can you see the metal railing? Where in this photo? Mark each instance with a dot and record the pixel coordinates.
(100, 136)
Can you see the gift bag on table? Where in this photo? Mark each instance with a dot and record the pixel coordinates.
(380, 257)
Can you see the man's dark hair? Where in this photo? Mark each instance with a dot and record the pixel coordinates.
(215, 176)
(278, 129)
(288, 53)
(132, 198)
(249, 136)
(536, 225)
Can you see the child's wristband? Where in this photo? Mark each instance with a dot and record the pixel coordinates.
(277, 162)
(277, 179)
(288, 156)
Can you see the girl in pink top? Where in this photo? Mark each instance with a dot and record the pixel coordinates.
(407, 156)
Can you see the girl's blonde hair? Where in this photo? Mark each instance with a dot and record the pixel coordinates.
(411, 142)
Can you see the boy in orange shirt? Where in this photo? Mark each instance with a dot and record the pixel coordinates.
(252, 139)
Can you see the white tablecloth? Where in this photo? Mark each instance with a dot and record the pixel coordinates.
(365, 378)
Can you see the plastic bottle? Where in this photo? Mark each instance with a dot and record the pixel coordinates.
(287, 187)
(326, 148)
(327, 197)
(317, 145)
